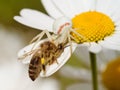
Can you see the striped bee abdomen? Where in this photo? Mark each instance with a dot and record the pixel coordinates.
(34, 67)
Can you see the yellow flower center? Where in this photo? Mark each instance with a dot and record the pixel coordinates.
(111, 75)
(92, 26)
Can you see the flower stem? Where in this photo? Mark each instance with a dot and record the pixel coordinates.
(94, 70)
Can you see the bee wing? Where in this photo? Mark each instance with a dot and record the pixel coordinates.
(27, 52)
(35, 19)
(61, 61)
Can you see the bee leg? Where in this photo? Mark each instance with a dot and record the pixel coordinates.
(44, 69)
(56, 61)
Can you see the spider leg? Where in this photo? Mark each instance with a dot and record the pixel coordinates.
(72, 30)
(27, 54)
(70, 42)
(73, 38)
(48, 35)
(39, 36)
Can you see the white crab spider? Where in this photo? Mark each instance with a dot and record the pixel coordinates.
(61, 29)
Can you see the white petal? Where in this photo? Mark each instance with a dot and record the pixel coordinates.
(82, 53)
(113, 8)
(113, 39)
(109, 45)
(90, 4)
(83, 5)
(117, 24)
(116, 17)
(110, 8)
(76, 73)
(68, 7)
(61, 22)
(35, 19)
(103, 6)
(95, 48)
(61, 61)
(109, 55)
(117, 28)
(117, 32)
(51, 9)
(27, 49)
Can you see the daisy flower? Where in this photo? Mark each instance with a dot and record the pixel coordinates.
(96, 22)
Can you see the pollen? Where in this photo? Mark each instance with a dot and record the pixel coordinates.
(92, 26)
(42, 61)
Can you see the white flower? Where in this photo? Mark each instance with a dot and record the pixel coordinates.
(97, 21)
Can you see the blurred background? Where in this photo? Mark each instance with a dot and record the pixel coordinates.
(14, 36)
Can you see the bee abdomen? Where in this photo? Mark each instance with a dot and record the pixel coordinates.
(34, 68)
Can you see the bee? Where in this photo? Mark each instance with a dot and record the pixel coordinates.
(46, 55)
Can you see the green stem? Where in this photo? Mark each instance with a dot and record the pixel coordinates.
(94, 70)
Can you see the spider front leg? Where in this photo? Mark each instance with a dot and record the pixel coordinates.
(49, 35)
(39, 36)
(27, 54)
(78, 34)
(70, 42)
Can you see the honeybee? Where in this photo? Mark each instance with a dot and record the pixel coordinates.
(46, 55)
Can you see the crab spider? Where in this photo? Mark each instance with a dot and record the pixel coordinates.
(61, 29)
